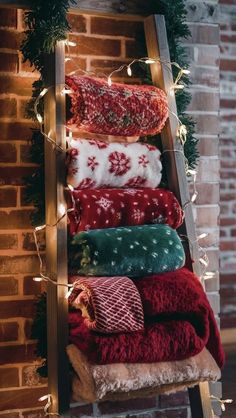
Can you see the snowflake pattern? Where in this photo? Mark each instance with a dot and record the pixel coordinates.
(104, 203)
(135, 182)
(86, 183)
(143, 160)
(92, 162)
(138, 215)
(119, 163)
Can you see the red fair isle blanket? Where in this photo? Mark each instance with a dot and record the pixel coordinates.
(109, 304)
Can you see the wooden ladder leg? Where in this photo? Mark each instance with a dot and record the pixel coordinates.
(56, 236)
(157, 46)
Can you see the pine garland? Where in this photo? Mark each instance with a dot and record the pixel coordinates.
(46, 24)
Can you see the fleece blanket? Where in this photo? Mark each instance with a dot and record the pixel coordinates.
(118, 109)
(109, 304)
(94, 164)
(126, 251)
(110, 208)
(179, 322)
(93, 382)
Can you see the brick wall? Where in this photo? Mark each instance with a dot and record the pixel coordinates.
(102, 45)
(228, 162)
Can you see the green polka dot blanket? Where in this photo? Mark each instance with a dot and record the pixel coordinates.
(127, 251)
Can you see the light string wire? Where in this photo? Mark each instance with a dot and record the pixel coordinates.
(222, 402)
(47, 406)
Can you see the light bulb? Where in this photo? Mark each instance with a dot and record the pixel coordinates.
(37, 279)
(149, 61)
(109, 82)
(129, 71)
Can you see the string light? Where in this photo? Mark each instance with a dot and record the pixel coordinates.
(70, 43)
(109, 82)
(66, 91)
(222, 402)
(129, 71)
(48, 398)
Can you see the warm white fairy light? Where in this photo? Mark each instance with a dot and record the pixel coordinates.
(149, 61)
(203, 235)
(129, 71)
(222, 402)
(178, 86)
(67, 59)
(70, 43)
(109, 81)
(66, 91)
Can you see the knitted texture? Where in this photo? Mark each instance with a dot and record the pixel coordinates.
(127, 251)
(181, 324)
(94, 164)
(109, 208)
(118, 109)
(110, 304)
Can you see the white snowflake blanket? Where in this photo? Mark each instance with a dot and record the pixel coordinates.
(95, 164)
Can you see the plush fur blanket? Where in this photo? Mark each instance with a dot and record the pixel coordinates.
(119, 109)
(179, 323)
(110, 208)
(95, 164)
(109, 304)
(93, 382)
(126, 251)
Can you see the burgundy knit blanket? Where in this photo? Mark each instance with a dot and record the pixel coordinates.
(179, 322)
(109, 304)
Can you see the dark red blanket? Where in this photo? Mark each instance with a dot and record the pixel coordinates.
(179, 323)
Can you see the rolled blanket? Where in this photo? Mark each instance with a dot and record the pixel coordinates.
(109, 208)
(178, 324)
(118, 109)
(125, 381)
(95, 164)
(123, 251)
(109, 304)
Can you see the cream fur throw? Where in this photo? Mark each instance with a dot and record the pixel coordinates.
(124, 381)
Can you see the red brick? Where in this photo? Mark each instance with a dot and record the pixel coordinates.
(9, 377)
(205, 77)
(8, 286)
(75, 64)
(25, 156)
(26, 398)
(95, 46)
(228, 103)
(206, 34)
(207, 124)
(15, 175)
(31, 287)
(208, 146)
(17, 308)
(10, 39)
(228, 245)
(8, 196)
(134, 49)
(10, 415)
(8, 241)
(33, 414)
(7, 107)
(19, 264)
(227, 197)
(29, 243)
(16, 219)
(28, 329)
(228, 38)
(123, 406)
(16, 131)
(8, 62)
(9, 331)
(231, 174)
(11, 354)
(208, 193)
(8, 18)
(229, 221)
(16, 85)
(8, 153)
(77, 23)
(108, 26)
(207, 216)
(204, 101)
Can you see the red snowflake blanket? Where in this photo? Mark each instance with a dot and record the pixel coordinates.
(94, 164)
(110, 208)
(179, 323)
(109, 304)
(118, 109)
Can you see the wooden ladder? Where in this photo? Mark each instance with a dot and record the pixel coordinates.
(56, 238)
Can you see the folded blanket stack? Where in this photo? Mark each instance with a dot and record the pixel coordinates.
(140, 323)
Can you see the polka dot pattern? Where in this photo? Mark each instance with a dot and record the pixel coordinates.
(132, 251)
